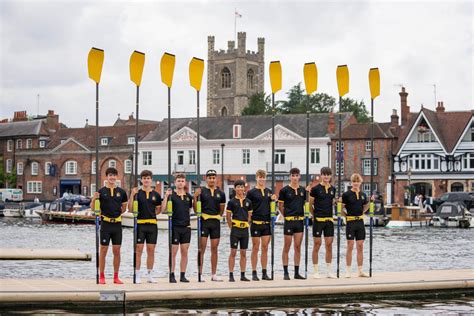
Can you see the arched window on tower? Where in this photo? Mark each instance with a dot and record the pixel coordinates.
(225, 78)
(250, 79)
(224, 111)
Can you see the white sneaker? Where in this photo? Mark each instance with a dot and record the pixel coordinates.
(150, 279)
(330, 275)
(215, 278)
(347, 275)
(138, 279)
(362, 274)
(316, 275)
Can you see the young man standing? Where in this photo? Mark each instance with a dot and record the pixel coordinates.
(322, 200)
(213, 205)
(356, 204)
(149, 205)
(260, 229)
(113, 202)
(239, 215)
(291, 201)
(181, 229)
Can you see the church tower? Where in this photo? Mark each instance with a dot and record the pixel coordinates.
(233, 76)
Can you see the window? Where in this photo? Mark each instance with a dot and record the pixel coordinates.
(337, 146)
(366, 188)
(314, 155)
(342, 167)
(237, 130)
(117, 183)
(147, 158)
(224, 111)
(112, 164)
(19, 168)
(104, 141)
(468, 161)
(250, 79)
(93, 168)
(245, 156)
(63, 141)
(192, 157)
(9, 165)
(216, 156)
(424, 162)
(42, 143)
(71, 167)
(93, 188)
(280, 156)
(47, 166)
(10, 145)
(131, 140)
(34, 168)
(368, 145)
(34, 187)
(225, 78)
(426, 137)
(19, 144)
(180, 157)
(366, 167)
(29, 143)
(128, 166)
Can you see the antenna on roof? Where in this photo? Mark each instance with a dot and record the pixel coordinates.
(37, 104)
(434, 92)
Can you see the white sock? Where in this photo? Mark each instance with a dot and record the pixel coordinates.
(328, 265)
(137, 271)
(315, 267)
(360, 269)
(149, 271)
(348, 269)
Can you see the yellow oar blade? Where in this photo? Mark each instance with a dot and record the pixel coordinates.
(342, 74)
(310, 77)
(167, 69)
(95, 60)
(275, 76)
(196, 70)
(374, 82)
(137, 62)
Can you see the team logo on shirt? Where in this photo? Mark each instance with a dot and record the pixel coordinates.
(187, 199)
(218, 196)
(247, 204)
(118, 194)
(301, 193)
(153, 198)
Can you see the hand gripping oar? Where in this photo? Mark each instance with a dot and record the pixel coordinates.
(339, 211)
(135, 228)
(169, 207)
(198, 214)
(273, 215)
(371, 214)
(306, 227)
(97, 228)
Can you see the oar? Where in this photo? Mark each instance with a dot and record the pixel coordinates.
(371, 214)
(339, 210)
(135, 229)
(95, 61)
(306, 226)
(169, 207)
(273, 215)
(199, 213)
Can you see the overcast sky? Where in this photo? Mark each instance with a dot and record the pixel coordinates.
(44, 47)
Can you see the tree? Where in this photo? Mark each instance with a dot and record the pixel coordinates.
(357, 108)
(299, 102)
(259, 104)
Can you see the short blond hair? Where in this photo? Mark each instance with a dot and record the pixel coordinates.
(261, 173)
(356, 178)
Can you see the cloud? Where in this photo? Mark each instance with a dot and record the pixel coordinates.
(44, 46)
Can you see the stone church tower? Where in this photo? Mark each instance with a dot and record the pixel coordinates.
(233, 75)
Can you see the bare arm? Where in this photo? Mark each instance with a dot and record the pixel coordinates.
(229, 219)
(132, 198)
(281, 208)
(165, 201)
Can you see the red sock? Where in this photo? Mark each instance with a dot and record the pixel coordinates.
(101, 278)
(116, 279)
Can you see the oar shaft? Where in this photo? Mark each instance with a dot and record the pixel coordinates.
(97, 224)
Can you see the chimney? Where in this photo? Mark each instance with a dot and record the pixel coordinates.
(50, 113)
(52, 121)
(405, 109)
(440, 107)
(331, 123)
(19, 116)
(394, 119)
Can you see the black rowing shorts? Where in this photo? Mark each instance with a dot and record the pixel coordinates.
(293, 227)
(355, 229)
(181, 235)
(260, 230)
(320, 228)
(211, 227)
(147, 233)
(110, 231)
(239, 236)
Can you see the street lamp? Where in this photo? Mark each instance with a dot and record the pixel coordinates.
(329, 154)
(222, 165)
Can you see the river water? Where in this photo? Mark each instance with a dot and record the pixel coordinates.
(395, 249)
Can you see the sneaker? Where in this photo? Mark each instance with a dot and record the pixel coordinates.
(286, 276)
(102, 280)
(266, 277)
(117, 281)
(231, 278)
(255, 277)
(299, 277)
(243, 278)
(316, 275)
(347, 275)
(215, 278)
(150, 279)
(331, 275)
(172, 278)
(362, 274)
(138, 278)
(183, 279)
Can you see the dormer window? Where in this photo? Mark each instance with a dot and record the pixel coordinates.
(236, 131)
(104, 141)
